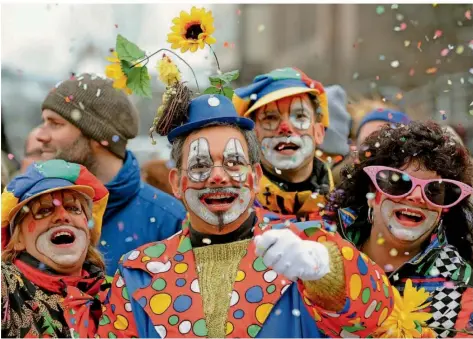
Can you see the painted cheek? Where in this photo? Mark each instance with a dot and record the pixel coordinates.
(31, 226)
(377, 198)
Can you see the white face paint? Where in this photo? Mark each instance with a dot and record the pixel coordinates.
(196, 199)
(234, 160)
(301, 114)
(199, 160)
(65, 255)
(403, 232)
(287, 161)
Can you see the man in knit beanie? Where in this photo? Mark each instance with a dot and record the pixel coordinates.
(87, 121)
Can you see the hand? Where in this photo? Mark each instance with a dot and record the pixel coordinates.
(287, 254)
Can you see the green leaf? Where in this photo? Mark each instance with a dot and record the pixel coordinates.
(228, 92)
(212, 90)
(230, 76)
(139, 81)
(126, 67)
(418, 326)
(215, 81)
(127, 50)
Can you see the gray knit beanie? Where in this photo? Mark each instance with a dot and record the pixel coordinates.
(100, 111)
(336, 135)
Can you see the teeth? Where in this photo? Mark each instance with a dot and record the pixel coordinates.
(61, 233)
(412, 214)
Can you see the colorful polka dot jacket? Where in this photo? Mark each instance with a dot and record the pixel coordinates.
(157, 292)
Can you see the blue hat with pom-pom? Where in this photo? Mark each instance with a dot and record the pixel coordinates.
(209, 108)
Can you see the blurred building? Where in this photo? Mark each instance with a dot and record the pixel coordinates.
(418, 56)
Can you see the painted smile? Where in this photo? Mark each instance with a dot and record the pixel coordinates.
(286, 148)
(218, 201)
(409, 217)
(62, 237)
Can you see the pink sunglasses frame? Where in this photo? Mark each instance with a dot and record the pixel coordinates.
(373, 170)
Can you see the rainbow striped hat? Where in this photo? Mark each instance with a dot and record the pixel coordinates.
(278, 84)
(49, 176)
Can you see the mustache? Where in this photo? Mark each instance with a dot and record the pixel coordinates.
(221, 190)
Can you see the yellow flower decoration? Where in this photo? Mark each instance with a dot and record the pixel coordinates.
(168, 72)
(115, 72)
(192, 30)
(405, 319)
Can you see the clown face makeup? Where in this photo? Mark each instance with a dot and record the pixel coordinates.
(55, 230)
(288, 132)
(405, 222)
(217, 185)
(287, 152)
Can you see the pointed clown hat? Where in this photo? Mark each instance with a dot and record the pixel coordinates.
(46, 177)
(206, 109)
(276, 85)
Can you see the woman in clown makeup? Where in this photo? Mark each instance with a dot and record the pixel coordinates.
(406, 206)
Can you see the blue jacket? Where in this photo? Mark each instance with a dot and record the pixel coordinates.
(136, 214)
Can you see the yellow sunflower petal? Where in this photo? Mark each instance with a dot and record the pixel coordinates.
(175, 46)
(209, 29)
(113, 58)
(184, 48)
(184, 16)
(201, 44)
(120, 82)
(210, 40)
(194, 48)
(176, 21)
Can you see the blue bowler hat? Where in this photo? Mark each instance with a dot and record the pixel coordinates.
(210, 108)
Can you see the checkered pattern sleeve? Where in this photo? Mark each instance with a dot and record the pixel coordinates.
(365, 291)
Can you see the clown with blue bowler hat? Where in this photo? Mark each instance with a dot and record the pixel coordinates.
(291, 114)
(235, 270)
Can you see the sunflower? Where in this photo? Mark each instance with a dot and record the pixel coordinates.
(168, 72)
(405, 320)
(115, 72)
(192, 30)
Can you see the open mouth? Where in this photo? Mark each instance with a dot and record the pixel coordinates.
(220, 201)
(286, 147)
(63, 237)
(408, 217)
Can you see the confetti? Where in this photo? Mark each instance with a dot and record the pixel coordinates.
(355, 75)
(81, 105)
(76, 114)
(129, 239)
(444, 52)
(318, 153)
(434, 272)
(277, 170)
(399, 17)
(370, 196)
(438, 34)
(278, 312)
(403, 26)
(320, 205)
(406, 43)
(460, 49)
(85, 87)
(380, 241)
(121, 226)
(103, 242)
(152, 219)
(261, 28)
(395, 64)
(393, 252)
(411, 72)
(104, 143)
(349, 176)
(449, 284)
(10, 156)
(380, 10)
(115, 138)
(91, 223)
(431, 70)
(406, 253)
(377, 144)
(296, 312)
(253, 96)
(468, 14)
(98, 92)
(26, 209)
(396, 277)
(388, 268)
(207, 241)
(394, 6)
(266, 220)
(56, 202)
